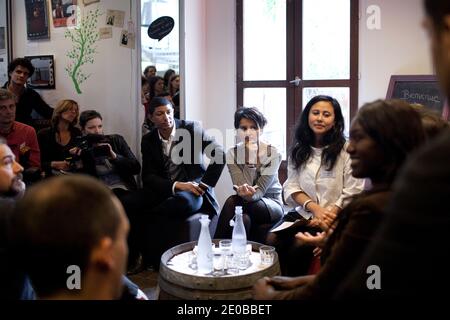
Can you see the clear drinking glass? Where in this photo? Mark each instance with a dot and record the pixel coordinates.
(267, 254)
(225, 250)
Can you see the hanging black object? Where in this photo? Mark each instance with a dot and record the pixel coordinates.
(160, 28)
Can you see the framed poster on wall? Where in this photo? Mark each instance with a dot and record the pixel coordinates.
(64, 13)
(44, 72)
(37, 19)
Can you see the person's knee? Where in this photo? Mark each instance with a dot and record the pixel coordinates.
(188, 202)
(272, 239)
(232, 201)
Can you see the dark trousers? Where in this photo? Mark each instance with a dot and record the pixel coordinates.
(256, 218)
(295, 258)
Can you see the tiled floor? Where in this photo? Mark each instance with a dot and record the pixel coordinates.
(147, 282)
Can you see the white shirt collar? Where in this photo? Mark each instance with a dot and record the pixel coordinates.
(172, 134)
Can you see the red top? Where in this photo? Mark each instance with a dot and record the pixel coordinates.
(23, 139)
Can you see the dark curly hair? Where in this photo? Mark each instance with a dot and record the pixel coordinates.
(23, 62)
(304, 137)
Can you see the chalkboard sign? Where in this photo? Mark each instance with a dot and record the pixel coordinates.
(161, 27)
(422, 89)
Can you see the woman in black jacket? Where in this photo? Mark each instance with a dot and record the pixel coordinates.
(56, 141)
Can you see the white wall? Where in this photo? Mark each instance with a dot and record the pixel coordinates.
(195, 57)
(221, 77)
(400, 47)
(210, 71)
(111, 89)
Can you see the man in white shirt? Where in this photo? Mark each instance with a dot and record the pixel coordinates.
(176, 182)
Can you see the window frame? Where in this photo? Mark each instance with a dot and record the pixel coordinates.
(294, 40)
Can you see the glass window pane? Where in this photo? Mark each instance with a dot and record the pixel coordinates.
(264, 39)
(326, 39)
(272, 103)
(342, 95)
(163, 54)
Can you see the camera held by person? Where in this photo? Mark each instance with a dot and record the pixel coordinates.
(106, 157)
(96, 144)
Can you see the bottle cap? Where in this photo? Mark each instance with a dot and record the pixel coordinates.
(238, 209)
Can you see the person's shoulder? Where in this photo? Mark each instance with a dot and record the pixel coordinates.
(31, 91)
(115, 136)
(118, 139)
(438, 144)
(187, 123)
(45, 132)
(432, 158)
(75, 131)
(23, 127)
(372, 200)
(378, 195)
(146, 138)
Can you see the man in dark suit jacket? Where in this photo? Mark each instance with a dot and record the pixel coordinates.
(176, 182)
(411, 248)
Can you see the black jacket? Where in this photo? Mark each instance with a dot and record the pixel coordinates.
(126, 165)
(154, 174)
(30, 100)
(53, 151)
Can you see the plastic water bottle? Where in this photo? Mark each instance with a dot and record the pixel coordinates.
(239, 241)
(204, 248)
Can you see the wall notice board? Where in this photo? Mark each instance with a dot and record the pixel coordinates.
(423, 89)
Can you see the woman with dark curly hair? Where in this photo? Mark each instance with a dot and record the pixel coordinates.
(319, 179)
(253, 165)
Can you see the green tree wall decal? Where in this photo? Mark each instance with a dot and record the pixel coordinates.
(83, 37)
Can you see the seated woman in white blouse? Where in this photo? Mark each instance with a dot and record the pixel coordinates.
(319, 179)
(253, 166)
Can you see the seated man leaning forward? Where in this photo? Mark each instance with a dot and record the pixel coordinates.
(69, 234)
(176, 182)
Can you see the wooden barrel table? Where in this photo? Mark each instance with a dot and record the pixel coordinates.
(174, 284)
